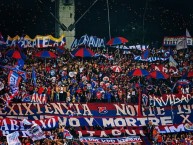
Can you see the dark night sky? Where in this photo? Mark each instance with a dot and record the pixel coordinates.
(163, 18)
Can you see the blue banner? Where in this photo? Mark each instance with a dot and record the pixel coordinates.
(149, 59)
(90, 41)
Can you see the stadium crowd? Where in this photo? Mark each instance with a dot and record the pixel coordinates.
(92, 80)
(71, 79)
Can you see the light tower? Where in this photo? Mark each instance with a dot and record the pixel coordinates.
(65, 12)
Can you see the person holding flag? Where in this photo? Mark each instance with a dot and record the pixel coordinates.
(14, 78)
(64, 134)
(33, 75)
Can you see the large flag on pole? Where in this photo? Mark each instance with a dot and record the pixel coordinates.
(187, 33)
(172, 62)
(181, 44)
(36, 133)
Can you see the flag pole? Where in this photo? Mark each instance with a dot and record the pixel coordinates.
(109, 23)
(139, 102)
(45, 64)
(172, 113)
(187, 35)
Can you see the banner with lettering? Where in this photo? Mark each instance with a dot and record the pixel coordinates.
(129, 139)
(38, 98)
(162, 68)
(38, 42)
(132, 131)
(110, 115)
(9, 125)
(172, 41)
(149, 59)
(90, 41)
(169, 99)
(133, 47)
(26, 98)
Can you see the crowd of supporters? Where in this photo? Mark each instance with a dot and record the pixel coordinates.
(92, 80)
(69, 79)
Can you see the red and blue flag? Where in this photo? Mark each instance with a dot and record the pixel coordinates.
(145, 54)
